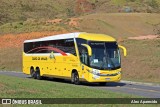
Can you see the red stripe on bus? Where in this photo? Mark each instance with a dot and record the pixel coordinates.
(49, 48)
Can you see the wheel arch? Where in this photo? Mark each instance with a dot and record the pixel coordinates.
(37, 69)
(73, 71)
(31, 68)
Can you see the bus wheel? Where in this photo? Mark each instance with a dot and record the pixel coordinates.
(32, 73)
(72, 78)
(75, 78)
(38, 76)
(102, 83)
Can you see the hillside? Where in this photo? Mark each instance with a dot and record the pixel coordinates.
(21, 20)
(147, 6)
(143, 55)
(21, 10)
(121, 25)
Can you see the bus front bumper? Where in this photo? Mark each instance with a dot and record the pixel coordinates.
(96, 78)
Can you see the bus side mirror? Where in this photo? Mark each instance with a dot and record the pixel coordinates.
(124, 49)
(88, 48)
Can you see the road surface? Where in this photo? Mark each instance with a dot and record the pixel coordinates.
(148, 91)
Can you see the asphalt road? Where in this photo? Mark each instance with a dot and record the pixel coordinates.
(148, 91)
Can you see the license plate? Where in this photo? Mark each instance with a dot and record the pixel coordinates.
(108, 79)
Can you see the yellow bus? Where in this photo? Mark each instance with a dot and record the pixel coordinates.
(76, 56)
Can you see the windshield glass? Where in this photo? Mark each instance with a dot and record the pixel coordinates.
(105, 55)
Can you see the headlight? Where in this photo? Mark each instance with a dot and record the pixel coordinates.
(95, 71)
(119, 72)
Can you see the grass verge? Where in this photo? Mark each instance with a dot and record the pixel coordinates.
(13, 87)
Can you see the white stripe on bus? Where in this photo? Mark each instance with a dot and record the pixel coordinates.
(56, 37)
(43, 54)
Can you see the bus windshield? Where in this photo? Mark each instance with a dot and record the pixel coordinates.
(105, 55)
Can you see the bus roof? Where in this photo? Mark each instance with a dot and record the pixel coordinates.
(87, 36)
(55, 37)
(96, 37)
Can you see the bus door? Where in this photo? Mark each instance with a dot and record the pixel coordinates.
(84, 58)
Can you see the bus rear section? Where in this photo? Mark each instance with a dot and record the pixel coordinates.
(50, 58)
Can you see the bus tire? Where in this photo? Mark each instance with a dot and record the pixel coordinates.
(72, 78)
(75, 77)
(38, 76)
(32, 72)
(102, 83)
